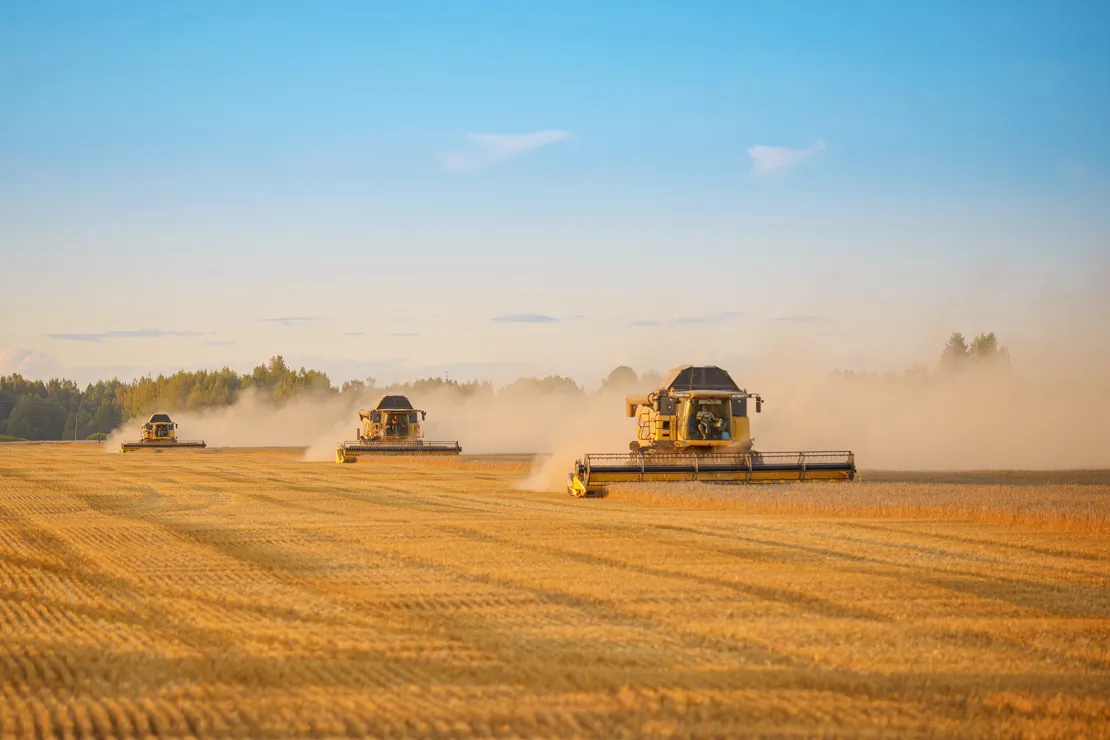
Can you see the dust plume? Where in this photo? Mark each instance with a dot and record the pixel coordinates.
(510, 421)
(567, 424)
(255, 421)
(1048, 410)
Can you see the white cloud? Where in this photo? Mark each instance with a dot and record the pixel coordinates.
(33, 365)
(534, 318)
(291, 320)
(713, 318)
(524, 318)
(125, 334)
(485, 150)
(769, 158)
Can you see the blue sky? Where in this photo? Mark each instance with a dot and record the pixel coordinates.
(418, 184)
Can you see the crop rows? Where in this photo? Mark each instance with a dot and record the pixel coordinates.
(209, 594)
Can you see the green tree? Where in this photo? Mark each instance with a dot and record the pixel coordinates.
(985, 349)
(280, 383)
(955, 356)
(37, 418)
(356, 387)
(651, 379)
(468, 389)
(622, 379)
(550, 384)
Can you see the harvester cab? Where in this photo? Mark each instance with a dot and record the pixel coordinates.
(392, 427)
(695, 426)
(697, 409)
(160, 433)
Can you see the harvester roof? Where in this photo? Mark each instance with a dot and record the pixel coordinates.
(393, 403)
(699, 378)
(159, 419)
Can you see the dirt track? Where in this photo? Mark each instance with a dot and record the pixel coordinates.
(236, 592)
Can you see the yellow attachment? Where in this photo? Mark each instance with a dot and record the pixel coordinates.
(349, 452)
(632, 402)
(598, 471)
(176, 444)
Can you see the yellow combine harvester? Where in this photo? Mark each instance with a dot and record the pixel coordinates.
(392, 427)
(158, 434)
(695, 427)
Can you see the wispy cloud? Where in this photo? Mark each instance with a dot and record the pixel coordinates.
(404, 334)
(524, 318)
(770, 158)
(486, 150)
(712, 318)
(534, 318)
(718, 317)
(31, 364)
(127, 334)
(795, 317)
(291, 320)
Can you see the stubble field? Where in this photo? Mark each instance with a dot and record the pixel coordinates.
(249, 593)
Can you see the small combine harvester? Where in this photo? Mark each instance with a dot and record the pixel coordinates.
(158, 434)
(392, 427)
(695, 427)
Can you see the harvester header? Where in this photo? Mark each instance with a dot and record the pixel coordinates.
(695, 426)
(159, 434)
(392, 427)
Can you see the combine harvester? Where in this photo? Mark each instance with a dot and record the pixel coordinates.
(695, 427)
(392, 427)
(160, 433)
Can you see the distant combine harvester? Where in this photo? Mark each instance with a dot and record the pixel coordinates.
(160, 434)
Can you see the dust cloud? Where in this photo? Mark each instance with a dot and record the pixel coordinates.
(1047, 411)
(511, 421)
(254, 421)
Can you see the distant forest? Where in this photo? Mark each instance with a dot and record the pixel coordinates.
(59, 409)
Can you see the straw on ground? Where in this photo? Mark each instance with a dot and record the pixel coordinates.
(253, 594)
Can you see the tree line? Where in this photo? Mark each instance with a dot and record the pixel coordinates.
(959, 356)
(59, 409)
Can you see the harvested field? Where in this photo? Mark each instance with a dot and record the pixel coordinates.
(1061, 507)
(248, 593)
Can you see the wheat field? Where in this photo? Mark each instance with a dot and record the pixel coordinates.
(237, 593)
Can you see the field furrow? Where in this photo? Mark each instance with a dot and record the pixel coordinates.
(230, 594)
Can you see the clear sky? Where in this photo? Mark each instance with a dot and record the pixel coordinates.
(494, 188)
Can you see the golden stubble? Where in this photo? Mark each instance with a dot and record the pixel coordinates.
(229, 593)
